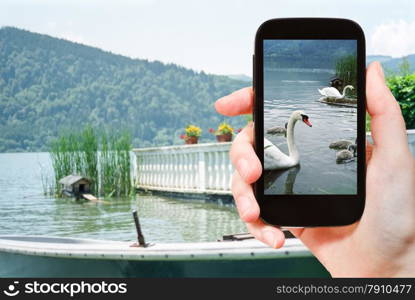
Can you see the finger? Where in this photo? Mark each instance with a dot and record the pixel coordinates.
(296, 231)
(267, 234)
(387, 124)
(243, 156)
(249, 212)
(245, 201)
(237, 103)
(369, 150)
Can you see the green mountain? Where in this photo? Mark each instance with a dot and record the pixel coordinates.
(379, 58)
(49, 84)
(241, 77)
(394, 65)
(318, 54)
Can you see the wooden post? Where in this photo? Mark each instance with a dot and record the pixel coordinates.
(140, 236)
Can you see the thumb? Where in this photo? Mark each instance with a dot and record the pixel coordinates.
(388, 126)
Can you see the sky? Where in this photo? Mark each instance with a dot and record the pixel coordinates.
(216, 36)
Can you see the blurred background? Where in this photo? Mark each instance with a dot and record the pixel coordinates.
(152, 100)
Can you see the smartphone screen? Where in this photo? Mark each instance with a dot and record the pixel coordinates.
(310, 116)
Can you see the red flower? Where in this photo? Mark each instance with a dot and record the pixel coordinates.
(239, 130)
(182, 136)
(211, 130)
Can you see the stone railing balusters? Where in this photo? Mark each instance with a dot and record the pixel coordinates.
(201, 168)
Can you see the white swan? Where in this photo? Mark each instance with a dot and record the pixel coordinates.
(274, 158)
(332, 92)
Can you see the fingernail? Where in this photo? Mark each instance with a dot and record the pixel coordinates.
(270, 238)
(243, 168)
(380, 71)
(244, 206)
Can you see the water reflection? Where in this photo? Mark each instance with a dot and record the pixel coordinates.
(281, 179)
(25, 210)
(286, 91)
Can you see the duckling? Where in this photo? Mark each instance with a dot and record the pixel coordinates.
(278, 130)
(341, 144)
(345, 156)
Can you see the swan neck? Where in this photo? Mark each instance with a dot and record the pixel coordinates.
(292, 148)
(344, 91)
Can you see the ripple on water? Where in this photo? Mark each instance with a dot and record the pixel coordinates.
(319, 172)
(24, 210)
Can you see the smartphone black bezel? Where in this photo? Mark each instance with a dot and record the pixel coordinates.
(310, 210)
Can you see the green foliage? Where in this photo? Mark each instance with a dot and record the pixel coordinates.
(48, 85)
(403, 88)
(321, 54)
(224, 128)
(115, 164)
(346, 69)
(405, 67)
(193, 130)
(75, 153)
(103, 157)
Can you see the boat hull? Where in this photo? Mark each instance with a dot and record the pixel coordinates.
(17, 265)
(83, 258)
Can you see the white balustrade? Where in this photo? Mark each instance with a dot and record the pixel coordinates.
(200, 168)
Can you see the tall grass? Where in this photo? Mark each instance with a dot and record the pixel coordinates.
(103, 157)
(346, 70)
(115, 164)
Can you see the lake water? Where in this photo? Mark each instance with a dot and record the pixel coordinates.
(24, 210)
(318, 172)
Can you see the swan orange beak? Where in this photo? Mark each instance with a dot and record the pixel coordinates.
(306, 121)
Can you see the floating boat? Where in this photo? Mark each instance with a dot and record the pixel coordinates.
(39, 256)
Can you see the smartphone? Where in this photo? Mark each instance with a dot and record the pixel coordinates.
(309, 116)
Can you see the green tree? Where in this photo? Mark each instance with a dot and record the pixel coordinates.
(48, 85)
(403, 88)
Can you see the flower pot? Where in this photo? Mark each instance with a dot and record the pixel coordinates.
(227, 137)
(191, 140)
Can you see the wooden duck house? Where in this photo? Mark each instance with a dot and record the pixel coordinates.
(75, 186)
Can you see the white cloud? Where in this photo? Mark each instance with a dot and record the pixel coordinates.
(394, 38)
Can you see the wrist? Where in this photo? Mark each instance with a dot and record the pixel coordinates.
(377, 265)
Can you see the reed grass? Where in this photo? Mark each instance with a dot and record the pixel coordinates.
(346, 70)
(115, 164)
(103, 157)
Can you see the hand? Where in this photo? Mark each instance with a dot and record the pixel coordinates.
(382, 243)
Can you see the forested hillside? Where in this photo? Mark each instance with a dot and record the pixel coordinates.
(49, 84)
(318, 54)
(394, 65)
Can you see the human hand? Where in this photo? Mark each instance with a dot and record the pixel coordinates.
(382, 243)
